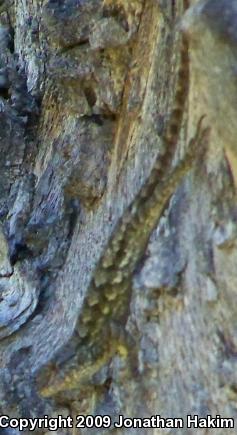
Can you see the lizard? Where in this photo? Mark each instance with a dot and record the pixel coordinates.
(112, 278)
(109, 294)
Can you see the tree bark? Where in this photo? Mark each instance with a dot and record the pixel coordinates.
(87, 89)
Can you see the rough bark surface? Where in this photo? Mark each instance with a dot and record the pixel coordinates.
(87, 90)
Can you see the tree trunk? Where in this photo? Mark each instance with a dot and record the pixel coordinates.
(89, 92)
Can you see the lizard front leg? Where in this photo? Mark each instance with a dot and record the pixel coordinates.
(73, 375)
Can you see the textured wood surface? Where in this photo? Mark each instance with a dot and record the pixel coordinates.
(93, 96)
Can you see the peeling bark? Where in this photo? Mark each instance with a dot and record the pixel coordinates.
(87, 90)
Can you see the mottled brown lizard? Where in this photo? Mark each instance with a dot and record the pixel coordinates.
(108, 297)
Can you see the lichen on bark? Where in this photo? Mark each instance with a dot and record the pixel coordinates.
(86, 92)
